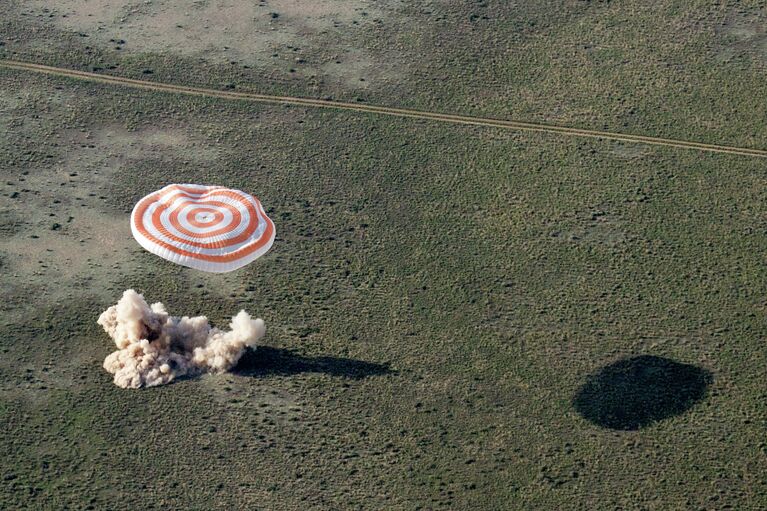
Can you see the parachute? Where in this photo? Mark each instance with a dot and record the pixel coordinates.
(208, 228)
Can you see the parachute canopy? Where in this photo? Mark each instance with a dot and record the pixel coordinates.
(209, 228)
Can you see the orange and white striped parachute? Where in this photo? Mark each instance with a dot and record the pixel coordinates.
(209, 228)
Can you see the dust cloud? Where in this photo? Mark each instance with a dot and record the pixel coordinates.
(155, 348)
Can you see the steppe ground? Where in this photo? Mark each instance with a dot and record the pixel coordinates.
(437, 295)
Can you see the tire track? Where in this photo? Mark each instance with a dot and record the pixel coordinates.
(397, 112)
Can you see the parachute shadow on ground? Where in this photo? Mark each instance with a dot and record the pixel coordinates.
(268, 361)
(636, 392)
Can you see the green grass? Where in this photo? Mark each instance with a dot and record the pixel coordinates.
(676, 69)
(493, 273)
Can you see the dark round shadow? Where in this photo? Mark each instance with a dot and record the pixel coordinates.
(633, 393)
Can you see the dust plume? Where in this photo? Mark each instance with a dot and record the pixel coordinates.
(154, 348)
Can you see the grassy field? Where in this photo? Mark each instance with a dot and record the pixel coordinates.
(451, 311)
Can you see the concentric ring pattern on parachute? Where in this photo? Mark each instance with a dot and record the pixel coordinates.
(209, 228)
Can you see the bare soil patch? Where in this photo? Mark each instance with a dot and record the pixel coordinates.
(743, 35)
(300, 38)
(59, 237)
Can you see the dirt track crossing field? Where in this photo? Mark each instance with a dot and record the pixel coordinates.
(399, 112)
(465, 308)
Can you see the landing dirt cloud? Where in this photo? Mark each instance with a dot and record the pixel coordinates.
(154, 348)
